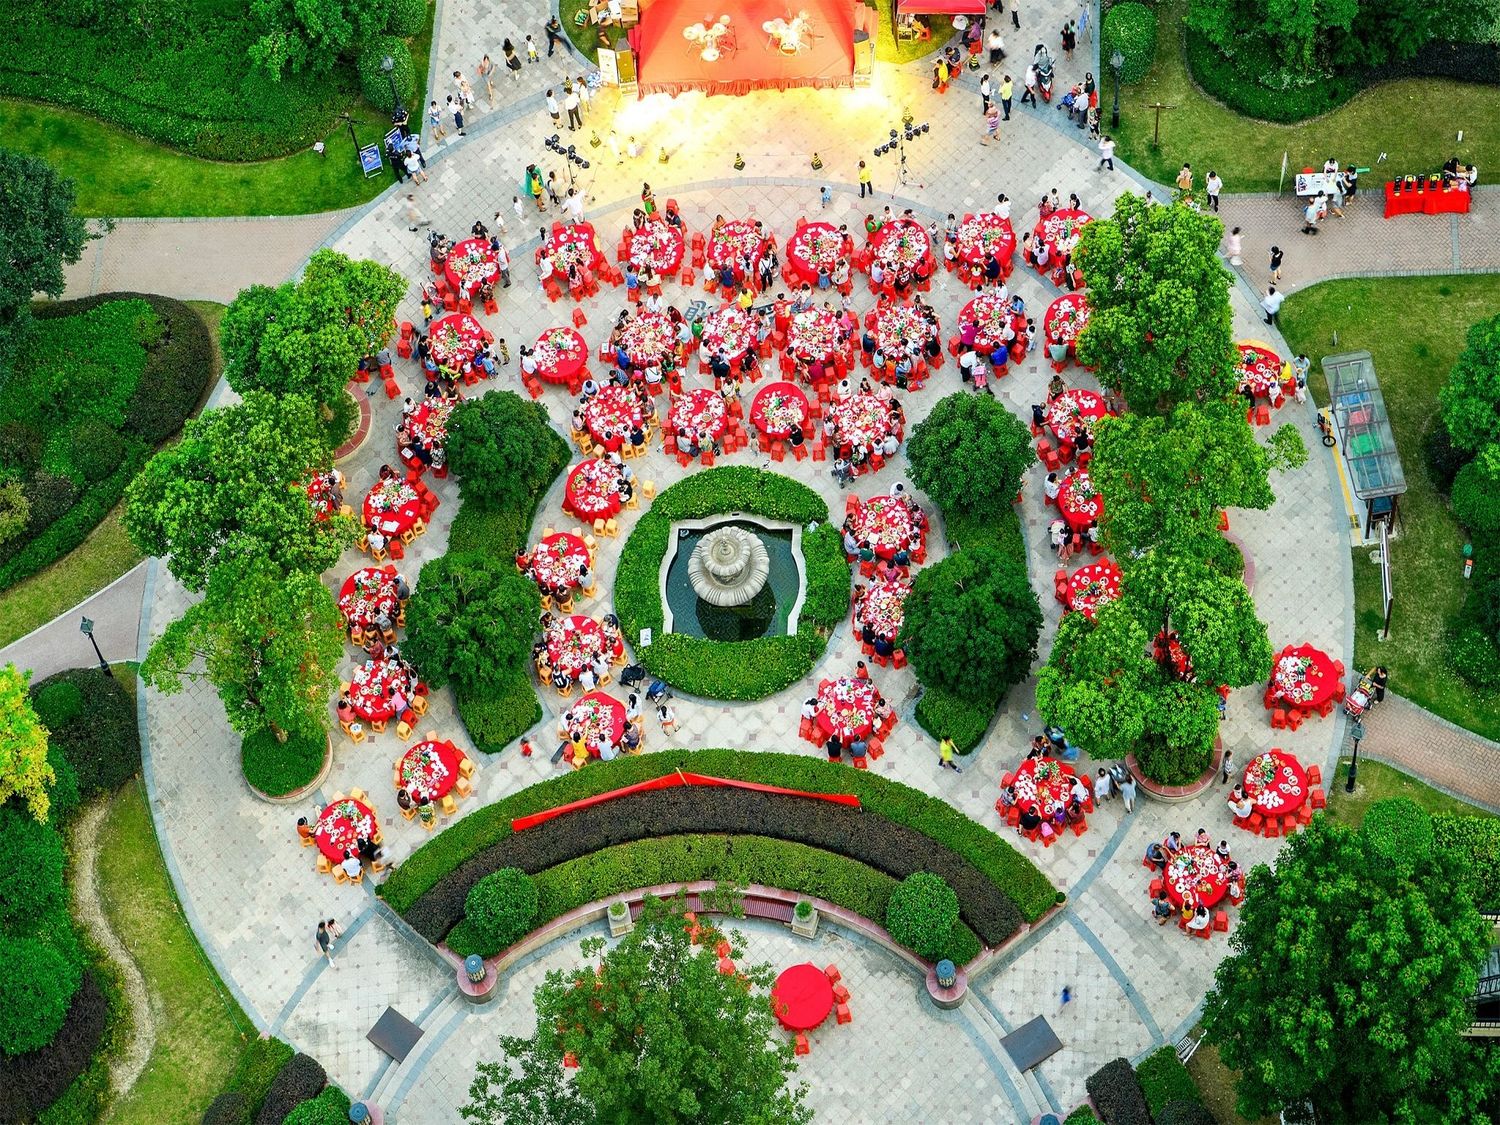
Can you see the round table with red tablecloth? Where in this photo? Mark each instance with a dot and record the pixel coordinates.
(883, 607)
(320, 496)
(455, 339)
(1276, 782)
(342, 825)
(846, 708)
(1073, 411)
(802, 997)
(728, 245)
(983, 235)
(610, 415)
(859, 420)
(1065, 318)
(367, 594)
(593, 490)
(1079, 501)
(428, 425)
(813, 334)
(574, 244)
(648, 338)
(1197, 876)
(557, 562)
(1060, 230)
(1093, 586)
(815, 246)
(1304, 677)
(429, 770)
(595, 715)
(987, 313)
(560, 355)
(697, 412)
(901, 246)
(657, 244)
(369, 688)
(887, 523)
(1043, 784)
(777, 407)
(392, 506)
(573, 642)
(899, 324)
(1260, 367)
(470, 264)
(728, 330)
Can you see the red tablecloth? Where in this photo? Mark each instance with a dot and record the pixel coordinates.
(815, 245)
(1304, 677)
(988, 314)
(900, 245)
(859, 420)
(455, 339)
(729, 244)
(898, 324)
(428, 425)
(1260, 367)
(1092, 586)
(574, 245)
(813, 334)
(560, 355)
(392, 506)
(802, 997)
(1438, 202)
(593, 490)
(611, 414)
(777, 407)
(984, 234)
(471, 263)
(1065, 318)
(1073, 411)
(429, 769)
(369, 689)
(1276, 782)
(556, 561)
(846, 708)
(658, 243)
(320, 496)
(1080, 502)
(1043, 784)
(1196, 875)
(698, 411)
(367, 592)
(883, 607)
(573, 642)
(648, 338)
(595, 714)
(1060, 231)
(728, 329)
(342, 825)
(887, 522)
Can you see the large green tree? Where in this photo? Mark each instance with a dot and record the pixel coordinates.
(1159, 328)
(232, 489)
(39, 234)
(1471, 396)
(1348, 986)
(269, 641)
(503, 449)
(299, 35)
(969, 454)
(1213, 613)
(24, 772)
(658, 1034)
(471, 620)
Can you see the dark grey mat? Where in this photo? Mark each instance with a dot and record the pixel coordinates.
(1030, 1043)
(396, 1035)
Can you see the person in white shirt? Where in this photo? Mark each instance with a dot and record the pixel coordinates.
(1239, 804)
(1103, 787)
(1271, 303)
(351, 865)
(1078, 791)
(1107, 152)
(889, 446)
(1052, 487)
(1200, 921)
(810, 707)
(1234, 247)
(1002, 206)
(587, 680)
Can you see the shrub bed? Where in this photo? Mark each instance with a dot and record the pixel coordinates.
(259, 1064)
(100, 740)
(500, 910)
(945, 715)
(34, 1080)
(1130, 28)
(301, 1079)
(922, 913)
(1222, 80)
(1164, 1079)
(1083, 1115)
(277, 768)
(1116, 1091)
(496, 719)
(1476, 840)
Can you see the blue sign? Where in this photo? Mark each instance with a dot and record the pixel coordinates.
(370, 160)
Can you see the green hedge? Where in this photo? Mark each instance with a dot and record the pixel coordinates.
(373, 82)
(1116, 1091)
(1221, 79)
(1008, 869)
(259, 1064)
(921, 915)
(497, 719)
(945, 715)
(1083, 1115)
(102, 742)
(1130, 27)
(277, 768)
(1164, 1079)
(500, 911)
(1476, 840)
(737, 860)
(739, 670)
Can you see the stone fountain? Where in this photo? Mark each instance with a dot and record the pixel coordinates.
(729, 566)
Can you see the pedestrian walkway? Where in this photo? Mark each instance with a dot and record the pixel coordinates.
(116, 613)
(1415, 741)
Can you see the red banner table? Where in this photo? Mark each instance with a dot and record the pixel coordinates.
(392, 506)
(802, 997)
(1043, 784)
(813, 335)
(658, 244)
(728, 330)
(611, 414)
(1276, 782)
(1079, 501)
(846, 708)
(470, 264)
(699, 411)
(1064, 320)
(574, 245)
(1196, 876)
(887, 523)
(1072, 412)
(1260, 367)
(1060, 231)
(883, 607)
(900, 246)
(428, 425)
(369, 689)
(648, 338)
(777, 407)
(594, 716)
(1304, 677)
(983, 235)
(1429, 201)
(366, 594)
(593, 490)
(984, 317)
(1093, 586)
(455, 339)
(900, 326)
(862, 421)
(728, 245)
(342, 825)
(815, 246)
(429, 770)
(557, 562)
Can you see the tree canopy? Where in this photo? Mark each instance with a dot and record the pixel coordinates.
(232, 488)
(310, 35)
(24, 772)
(658, 1034)
(969, 453)
(471, 620)
(1160, 327)
(1353, 961)
(503, 449)
(1472, 392)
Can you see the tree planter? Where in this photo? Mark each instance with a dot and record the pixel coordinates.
(804, 919)
(1178, 794)
(298, 794)
(620, 921)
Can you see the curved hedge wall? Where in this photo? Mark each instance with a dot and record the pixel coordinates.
(739, 670)
(34, 1080)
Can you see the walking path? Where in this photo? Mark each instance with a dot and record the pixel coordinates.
(1414, 740)
(116, 613)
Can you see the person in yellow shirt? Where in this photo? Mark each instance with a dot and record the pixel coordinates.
(946, 749)
(864, 180)
(1007, 88)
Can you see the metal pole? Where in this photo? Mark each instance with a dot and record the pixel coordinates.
(1357, 729)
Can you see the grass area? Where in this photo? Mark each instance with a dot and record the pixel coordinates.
(1394, 117)
(200, 1029)
(1376, 781)
(585, 38)
(1216, 1084)
(1426, 564)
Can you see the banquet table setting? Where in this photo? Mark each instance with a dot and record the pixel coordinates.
(470, 264)
(657, 243)
(392, 506)
(901, 246)
(574, 244)
(801, 997)
(560, 354)
(592, 490)
(455, 339)
(1061, 230)
(988, 314)
(1042, 785)
(648, 338)
(1072, 412)
(428, 426)
(899, 325)
(1260, 370)
(367, 594)
(813, 335)
(597, 717)
(610, 415)
(1304, 677)
(882, 606)
(698, 411)
(369, 688)
(320, 495)
(859, 421)
(728, 245)
(1065, 319)
(1196, 876)
(1093, 586)
(342, 825)
(1276, 783)
(777, 407)
(558, 561)
(983, 235)
(814, 246)
(1079, 502)
(846, 708)
(429, 770)
(887, 523)
(729, 331)
(574, 641)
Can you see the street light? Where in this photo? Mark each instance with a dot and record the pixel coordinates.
(388, 65)
(1117, 64)
(86, 627)
(1357, 729)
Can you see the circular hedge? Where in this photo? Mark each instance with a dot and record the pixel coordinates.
(35, 991)
(1131, 28)
(407, 18)
(277, 768)
(58, 704)
(922, 914)
(372, 80)
(500, 909)
(98, 449)
(101, 739)
(739, 670)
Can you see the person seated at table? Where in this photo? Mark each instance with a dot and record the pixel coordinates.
(1200, 920)
(1173, 843)
(1079, 790)
(1450, 169)
(397, 698)
(1240, 804)
(1161, 908)
(403, 799)
(586, 679)
(1029, 821)
(1222, 851)
(843, 471)
(883, 713)
(304, 830)
(1057, 532)
(608, 751)
(1203, 839)
(351, 865)
(367, 850)
(1234, 879)
(1007, 796)
(374, 645)
(1075, 813)
(376, 540)
(345, 708)
(560, 680)
(883, 646)
(1157, 854)
(1038, 748)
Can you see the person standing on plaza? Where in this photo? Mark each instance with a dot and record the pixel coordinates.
(554, 32)
(996, 44)
(1015, 14)
(984, 94)
(435, 120)
(1185, 178)
(554, 110)
(1226, 765)
(1127, 791)
(463, 90)
(486, 72)
(583, 95)
(1029, 93)
(1107, 153)
(1069, 39)
(1234, 247)
(575, 120)
(414, 214)
(1271, 304)
(1007, 88)
(456, 108)
(325, 943)
(864, 180)
(991, 125)
(1310, 217)
(1213, 186)
(1276, 257)
(512, 60)
(946, 750)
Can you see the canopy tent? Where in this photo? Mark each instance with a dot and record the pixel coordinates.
(940, 7)
(744, 56)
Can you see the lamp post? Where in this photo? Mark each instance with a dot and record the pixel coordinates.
(86, 627)
(1357, 729)
(1116, 64)
(388, 65)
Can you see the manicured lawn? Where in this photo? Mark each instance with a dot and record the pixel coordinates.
(1376, 781)
(200, 1030)
(1396, 118)
(1426, 564)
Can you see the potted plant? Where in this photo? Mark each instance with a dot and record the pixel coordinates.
(804, 919)
(620, 922)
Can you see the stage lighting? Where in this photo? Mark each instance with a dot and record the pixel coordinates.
(893, 134)
(585, 164)
(926, 126)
